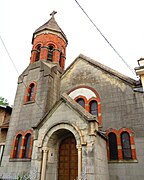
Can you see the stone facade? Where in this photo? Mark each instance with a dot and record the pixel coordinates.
(63, 121)
(27, 114)
(47, 114)
(121, 107)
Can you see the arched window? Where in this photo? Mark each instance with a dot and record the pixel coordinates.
(60, 60)
(27, 145)
(113, 146)
(50, 53)
(31, 92)
(94, 108)
(18, 145)
(81, 102)
(38, 52)
(126, 146)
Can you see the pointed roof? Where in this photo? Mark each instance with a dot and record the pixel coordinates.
(71, 103)
(52, 26)
(102, 67)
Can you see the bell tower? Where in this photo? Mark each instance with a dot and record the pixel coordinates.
(49, 43)
(37, 92)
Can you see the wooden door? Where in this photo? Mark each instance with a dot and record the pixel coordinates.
(68, 160)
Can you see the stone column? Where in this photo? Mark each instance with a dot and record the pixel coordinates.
(33, 56)
(79, 161)
(44, 53)
(44, 162)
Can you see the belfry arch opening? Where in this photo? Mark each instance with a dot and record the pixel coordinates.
(50, 53)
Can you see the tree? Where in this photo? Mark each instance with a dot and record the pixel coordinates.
(3, 101)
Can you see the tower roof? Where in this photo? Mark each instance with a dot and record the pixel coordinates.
(52, 26)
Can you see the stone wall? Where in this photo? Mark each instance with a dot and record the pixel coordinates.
(121, 107)
(26, 115)
(61, 122)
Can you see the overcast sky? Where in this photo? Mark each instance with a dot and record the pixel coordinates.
(121, 21)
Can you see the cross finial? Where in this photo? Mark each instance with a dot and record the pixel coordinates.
(53, 13)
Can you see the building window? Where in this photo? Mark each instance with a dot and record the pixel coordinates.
(18, 145)
(91, 100)
(121, 145)
(113, 146)
(30, 92)
(38, 52)
(50, 53)
(22, 145)
(81, 102)
(126, 146)
(94, 108)
(27, 145)
(60, 60)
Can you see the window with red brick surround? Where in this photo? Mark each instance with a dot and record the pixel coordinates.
(38, 47)
(18, 145)
(89, 101)
(125, 144)
(126, 147)
(22, 145)
(80, 101)
(113, 151)
(93, 107)
(50, 52)
(95, 102)
(28, 142)
(30, 92)
(35, 53)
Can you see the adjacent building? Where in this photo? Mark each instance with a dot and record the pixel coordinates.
(5, 113)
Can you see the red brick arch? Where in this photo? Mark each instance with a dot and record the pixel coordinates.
(26, 97)
(131, 134)
(117, 137)
(88, 101)
(119, 144)
(22, 147)
(14, 144)
(34, 52)
(87, 87)
(50, 39)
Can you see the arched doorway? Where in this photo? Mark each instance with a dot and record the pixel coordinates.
(68, 159)
(52, 141)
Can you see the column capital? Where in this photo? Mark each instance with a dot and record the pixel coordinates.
(79, 146)
(45, 149)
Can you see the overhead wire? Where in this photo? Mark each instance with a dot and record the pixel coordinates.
(105, 38)
(16, 68)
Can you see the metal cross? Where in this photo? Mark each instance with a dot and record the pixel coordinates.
(53, 13)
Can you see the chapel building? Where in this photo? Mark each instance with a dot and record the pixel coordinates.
(85, 122)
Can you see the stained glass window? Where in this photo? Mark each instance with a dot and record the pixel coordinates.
(94, 108)
(126, 147)
(81, 102)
